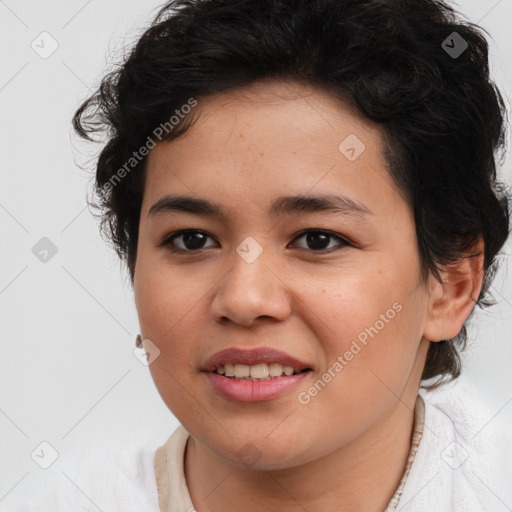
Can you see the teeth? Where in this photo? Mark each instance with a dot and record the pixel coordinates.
(276, 370)
(242, 370)
(260, 371)
(288, 370)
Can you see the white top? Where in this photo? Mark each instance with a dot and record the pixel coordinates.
(463, 464)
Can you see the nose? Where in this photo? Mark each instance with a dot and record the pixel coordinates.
(252, 292)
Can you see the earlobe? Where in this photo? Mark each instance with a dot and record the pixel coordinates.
(452, 301)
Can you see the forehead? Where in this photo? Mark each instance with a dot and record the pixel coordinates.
(267, 139)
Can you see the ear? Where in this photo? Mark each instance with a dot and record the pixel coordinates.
(451, 302)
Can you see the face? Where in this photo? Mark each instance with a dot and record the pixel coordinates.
(338, 289)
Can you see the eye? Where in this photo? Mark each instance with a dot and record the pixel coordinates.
(192, 240)
(318, 240)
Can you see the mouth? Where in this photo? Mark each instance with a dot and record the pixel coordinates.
(254, 375)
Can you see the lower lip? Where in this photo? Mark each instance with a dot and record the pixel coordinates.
(254, 391)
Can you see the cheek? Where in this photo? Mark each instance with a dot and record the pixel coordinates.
(170, 311)
(351, 302)
(370, 349)
(370, 319)
(163, 297)
(170, 315)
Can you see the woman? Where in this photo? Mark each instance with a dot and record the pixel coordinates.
(305, 196)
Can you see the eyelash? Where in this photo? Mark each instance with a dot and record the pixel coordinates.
(168, 240)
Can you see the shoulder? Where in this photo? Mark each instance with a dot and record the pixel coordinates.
(108, 474)
(464, 459)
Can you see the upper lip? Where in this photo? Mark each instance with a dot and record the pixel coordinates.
(252, 357)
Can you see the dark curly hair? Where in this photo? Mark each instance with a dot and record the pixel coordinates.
(394, 60)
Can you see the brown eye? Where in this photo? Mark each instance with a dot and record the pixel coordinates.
(318, 240)
(191, 240)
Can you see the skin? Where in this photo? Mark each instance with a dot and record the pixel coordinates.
(346, 449)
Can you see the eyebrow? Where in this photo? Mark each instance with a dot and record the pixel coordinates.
(285, 205)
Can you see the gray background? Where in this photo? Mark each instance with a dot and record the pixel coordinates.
(68, 374)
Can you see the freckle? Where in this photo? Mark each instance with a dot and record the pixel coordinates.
(261, 154)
